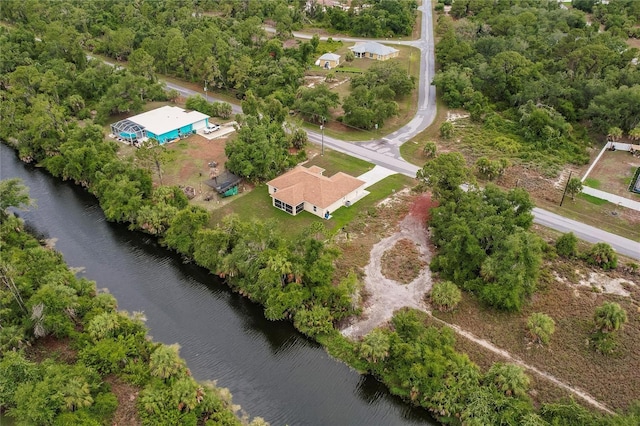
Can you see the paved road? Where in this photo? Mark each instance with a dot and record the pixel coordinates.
(385, 152)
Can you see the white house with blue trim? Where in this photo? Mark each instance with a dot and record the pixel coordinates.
(164, 124)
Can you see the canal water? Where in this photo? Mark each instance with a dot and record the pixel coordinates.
(272, 370)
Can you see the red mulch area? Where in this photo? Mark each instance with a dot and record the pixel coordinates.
(421, 207)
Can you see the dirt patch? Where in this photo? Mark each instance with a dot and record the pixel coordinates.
(614, 172)
(385, 295)
(50, 347)
(402, 263)
(605, 284)
(127, 395)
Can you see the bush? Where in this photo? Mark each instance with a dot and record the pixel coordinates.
(541, 327)
(602, 255)
(445, 296)
(446, 130)
(567, 245)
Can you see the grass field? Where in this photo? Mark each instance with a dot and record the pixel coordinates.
(256, 204)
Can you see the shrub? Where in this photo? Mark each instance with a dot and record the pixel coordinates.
(430, 149)
(541, 327)
(602, 255)
(446, 130)
(567, 245)
(445, 296)
(609, 317)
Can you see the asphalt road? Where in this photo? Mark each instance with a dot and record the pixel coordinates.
(385, 151)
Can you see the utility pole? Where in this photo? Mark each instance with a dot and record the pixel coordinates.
(565, 188)
(322, 140)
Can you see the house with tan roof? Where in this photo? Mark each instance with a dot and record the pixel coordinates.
(308, 189)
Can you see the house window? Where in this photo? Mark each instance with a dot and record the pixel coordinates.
(288, 208)
(274, 190)
(299, 208)
(278, 204)
(371, 55)
(315, 209)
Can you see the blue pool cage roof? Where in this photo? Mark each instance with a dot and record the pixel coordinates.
(127, 130)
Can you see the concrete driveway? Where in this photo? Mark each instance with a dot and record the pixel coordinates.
(375, 175)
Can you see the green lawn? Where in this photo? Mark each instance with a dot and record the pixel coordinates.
(591, 182)
(256, 205)
(333, 162)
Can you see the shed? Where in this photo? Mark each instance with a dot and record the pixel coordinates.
(163, 124)
(328, 61)
(226, 184)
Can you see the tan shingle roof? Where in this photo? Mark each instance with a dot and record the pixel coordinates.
(307, 185)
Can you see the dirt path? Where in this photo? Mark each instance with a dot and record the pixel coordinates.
(386, 296)
(585, 396)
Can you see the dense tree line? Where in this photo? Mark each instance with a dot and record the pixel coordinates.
(542, 67)
(482, 235)
(41, 297)
(374, 94)
(294, 278)
(366, 18)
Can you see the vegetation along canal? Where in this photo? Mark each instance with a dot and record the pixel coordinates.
(271, 370)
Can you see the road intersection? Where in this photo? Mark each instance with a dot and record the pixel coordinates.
(385, 152)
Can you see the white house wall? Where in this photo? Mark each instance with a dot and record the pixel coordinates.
(200, 124)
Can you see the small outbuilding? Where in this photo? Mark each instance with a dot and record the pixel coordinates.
(225, 184)
(328, 61)
(163, 124)
(374, 50)
(307, 189)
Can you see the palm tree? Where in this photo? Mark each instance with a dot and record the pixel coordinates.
(76, 394)
(375, 346)
(103, 325)
(614, 133)
(609, 317)
(509, 378)
(165, 361)
(445, 296)
(541, 327)
(634, 134)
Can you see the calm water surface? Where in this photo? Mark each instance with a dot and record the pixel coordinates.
(271, 369)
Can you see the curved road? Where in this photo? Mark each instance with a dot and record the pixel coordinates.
(385, 152)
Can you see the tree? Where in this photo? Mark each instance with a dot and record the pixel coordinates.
(614, 133)
(634, 134)
(165, 362)
(349, 56)
(509, 378)
(375, 346)
(567, 245)
(444, 175)
(445, 296)
(183, 228)
(430, 149)
(13, 194)
(446, 130)
(540, 327)
(609, 317)
(511, 273)
(574, 187)
(316, 103)
(76, 394)
(602, 255)
(151, 154)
